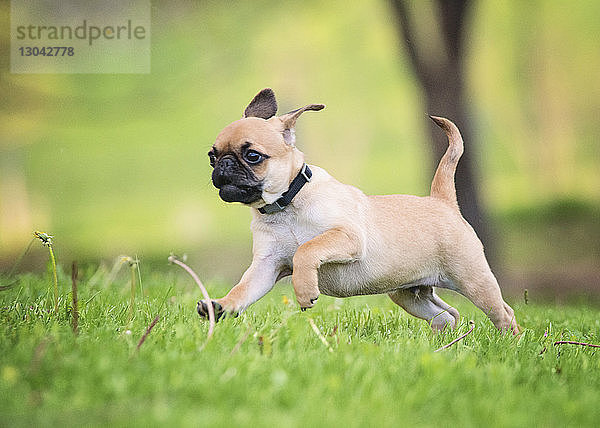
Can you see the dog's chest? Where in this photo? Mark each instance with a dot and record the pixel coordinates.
(295, 234)
(289, 231)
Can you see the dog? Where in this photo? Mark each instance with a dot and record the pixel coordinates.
(335, 240)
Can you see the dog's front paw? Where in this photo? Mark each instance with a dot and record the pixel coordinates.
(307, 300)
(306, 286)
(202, 309)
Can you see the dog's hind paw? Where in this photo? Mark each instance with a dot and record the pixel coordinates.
(202, 309)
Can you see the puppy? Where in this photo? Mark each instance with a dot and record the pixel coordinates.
(333, 239)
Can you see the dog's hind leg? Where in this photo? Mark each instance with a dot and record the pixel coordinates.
(480, 286)
(422, 302)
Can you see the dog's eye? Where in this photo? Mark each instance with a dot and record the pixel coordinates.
(253, 157)
(212, 159)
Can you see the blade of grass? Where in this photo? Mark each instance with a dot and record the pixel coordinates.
(139, 276)
(75, 319)
(241, 341)
(165, 297)
(46, 241)
(132, 266)
(92, 298)
(15, 265)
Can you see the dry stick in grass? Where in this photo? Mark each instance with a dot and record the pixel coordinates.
(211, 311)
(75, 300)
(148, 330)
(569, 342)
(472, 324)
(318, 333)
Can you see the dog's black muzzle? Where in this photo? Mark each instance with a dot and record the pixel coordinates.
(235, 183)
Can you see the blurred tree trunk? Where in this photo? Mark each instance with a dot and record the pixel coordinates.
(433, 36)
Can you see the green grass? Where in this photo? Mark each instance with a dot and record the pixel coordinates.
(382, 371)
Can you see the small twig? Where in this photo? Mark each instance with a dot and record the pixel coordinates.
(318, 333)
(148, 330)
(471, 323)
(75, 319)
(211, 311)
(569, 342)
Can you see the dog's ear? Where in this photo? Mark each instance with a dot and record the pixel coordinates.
(289, 121)
(263, 105)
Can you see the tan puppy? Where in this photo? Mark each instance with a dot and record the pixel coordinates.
(334, 239)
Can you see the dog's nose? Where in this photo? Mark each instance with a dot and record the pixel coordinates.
(226, 163)
(222, 171)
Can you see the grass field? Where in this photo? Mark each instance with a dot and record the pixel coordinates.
(268, 367)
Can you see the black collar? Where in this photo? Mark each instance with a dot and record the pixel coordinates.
(297, 183)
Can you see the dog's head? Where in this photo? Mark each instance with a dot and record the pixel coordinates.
(255, 159)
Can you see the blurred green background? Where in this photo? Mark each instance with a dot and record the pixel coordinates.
(116, 164)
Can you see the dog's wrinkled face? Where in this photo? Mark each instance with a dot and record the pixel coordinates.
(254, 158)
(241, 157)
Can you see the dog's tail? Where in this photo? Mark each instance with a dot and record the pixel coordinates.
(442, 186)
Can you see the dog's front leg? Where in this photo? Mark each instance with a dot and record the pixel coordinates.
(257, 281)
(336, 245)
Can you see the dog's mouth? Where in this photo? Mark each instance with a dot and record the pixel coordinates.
(235, 183)
(239, 193)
